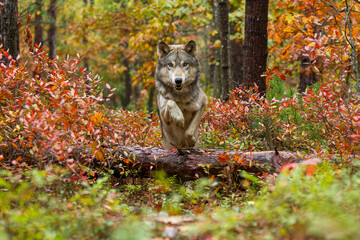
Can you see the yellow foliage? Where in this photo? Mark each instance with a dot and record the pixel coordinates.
(119, 69)
(277, 38)
(97, 118)
(98, 152)
(217, 44)
(213, 32)
(285, 53)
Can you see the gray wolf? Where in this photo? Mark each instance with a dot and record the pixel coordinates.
(181, 101)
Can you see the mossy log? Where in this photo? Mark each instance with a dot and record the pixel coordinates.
(190, 164)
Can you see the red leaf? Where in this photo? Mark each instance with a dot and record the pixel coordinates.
(223, 158)
(310, 170)
(289, 167)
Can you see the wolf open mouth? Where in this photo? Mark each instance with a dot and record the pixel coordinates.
(178, 87)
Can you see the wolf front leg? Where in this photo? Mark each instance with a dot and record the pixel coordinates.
(170, 112)
(192, 133)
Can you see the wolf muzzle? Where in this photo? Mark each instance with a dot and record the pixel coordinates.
(178, 83)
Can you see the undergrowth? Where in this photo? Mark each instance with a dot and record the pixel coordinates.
(297, 205)
(54, 183)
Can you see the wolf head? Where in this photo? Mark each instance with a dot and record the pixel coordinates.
(178, 66)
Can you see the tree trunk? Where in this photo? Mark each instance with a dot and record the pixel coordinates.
(212, 63)
(151, 99)
(255, 44)
(9, 27)
(216, 78)
(85, 40)
(190, 164)
(237, 55)
(38, 39)
(52, 29)
(225, 47)
(127, 83)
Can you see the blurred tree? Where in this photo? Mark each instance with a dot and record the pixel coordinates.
(9, 27)
(223, 19)
(128, 83)
(236, 57)
(85, 29)
(52, 29)
(255, 44)
(38, 39)
(215, 52)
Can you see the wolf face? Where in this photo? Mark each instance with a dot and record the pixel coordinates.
(180, 99)
(178, 65)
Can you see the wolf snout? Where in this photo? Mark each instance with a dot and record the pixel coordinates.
(178, 81)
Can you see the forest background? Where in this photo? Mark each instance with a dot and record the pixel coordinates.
(85, 79)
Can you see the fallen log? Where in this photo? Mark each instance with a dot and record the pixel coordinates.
(190, 164)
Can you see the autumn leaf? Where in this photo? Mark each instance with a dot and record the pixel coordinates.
(224, 159)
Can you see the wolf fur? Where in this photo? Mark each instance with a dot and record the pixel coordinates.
(181, 101)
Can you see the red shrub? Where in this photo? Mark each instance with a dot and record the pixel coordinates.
(54, 108)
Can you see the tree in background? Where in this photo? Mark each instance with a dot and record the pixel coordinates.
(9, 27)
(255, 44)
(52, 29)
(323, 31)
(223, 24)
(215, 62)
(237, 55)
(85, 38)
(38, 39)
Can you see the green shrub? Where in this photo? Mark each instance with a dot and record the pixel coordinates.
(33, 209)
(323, 206)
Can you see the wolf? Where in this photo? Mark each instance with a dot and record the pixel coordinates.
(180, 99)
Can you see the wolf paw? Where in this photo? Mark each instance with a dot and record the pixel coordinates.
(190, 139)
(175, 114)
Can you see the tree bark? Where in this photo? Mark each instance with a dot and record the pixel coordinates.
(216, 78)
(38, 39)
(85, 39)
(237, 64)
(128, 90)
(151, 99)
(185, 164)
(52, 29)
(223, 6)
(9, 27)
(255, 44)
(212, 63)
(190, 164)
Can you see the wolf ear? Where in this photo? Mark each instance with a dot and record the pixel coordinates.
(163, 49)
(191, 48)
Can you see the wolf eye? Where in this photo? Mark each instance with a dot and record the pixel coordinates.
(185, 64)
(170, 65)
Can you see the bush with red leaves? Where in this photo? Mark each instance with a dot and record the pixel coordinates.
(50, 108)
